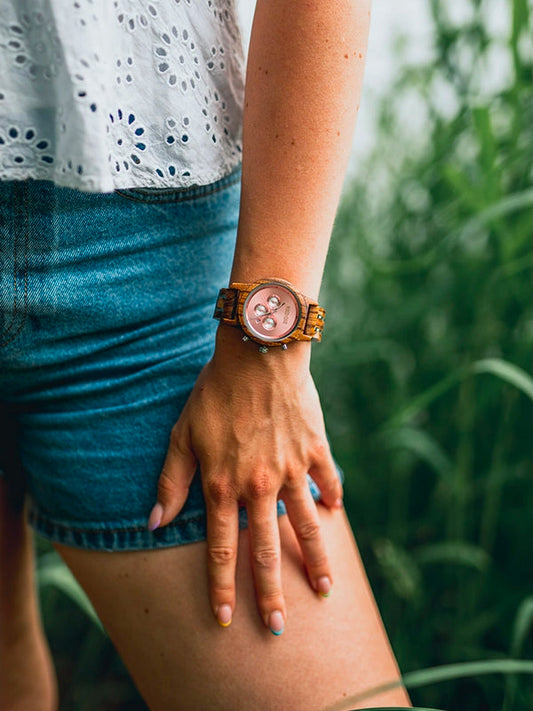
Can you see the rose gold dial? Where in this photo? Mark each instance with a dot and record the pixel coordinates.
(271, 312)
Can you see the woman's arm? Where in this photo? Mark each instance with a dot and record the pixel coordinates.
(253, 421)
(303, 83)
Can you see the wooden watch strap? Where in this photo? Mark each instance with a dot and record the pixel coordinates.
(314, 324)
(226, 306)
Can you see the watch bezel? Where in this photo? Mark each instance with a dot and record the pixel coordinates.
(265, 339)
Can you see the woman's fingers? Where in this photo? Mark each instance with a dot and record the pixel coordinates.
(303, 515)
(222, 543)
(324, 473)
(266, 561)
(174, 481)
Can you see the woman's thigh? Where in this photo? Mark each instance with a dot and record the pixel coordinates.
(155, 607)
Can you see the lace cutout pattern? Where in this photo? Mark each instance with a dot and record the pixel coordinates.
(105, 94)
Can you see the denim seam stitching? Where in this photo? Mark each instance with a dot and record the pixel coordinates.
(39, 519)
(148, 199)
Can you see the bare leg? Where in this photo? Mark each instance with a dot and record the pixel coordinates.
(155, 607)
(27, 677)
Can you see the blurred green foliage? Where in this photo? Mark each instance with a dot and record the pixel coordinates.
(424, 368)
(423, 375)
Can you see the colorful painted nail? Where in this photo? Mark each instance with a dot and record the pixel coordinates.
(223, 615)
(155, 517)
(323, 586)
(276, 623)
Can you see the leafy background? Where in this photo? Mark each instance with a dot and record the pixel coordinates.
(423, 376)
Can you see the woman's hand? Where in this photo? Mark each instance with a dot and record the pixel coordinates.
(254, 424)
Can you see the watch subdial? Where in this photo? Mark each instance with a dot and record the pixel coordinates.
(260, 310)
(269, 323)
(273, 301)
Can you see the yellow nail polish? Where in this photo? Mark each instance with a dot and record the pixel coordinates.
(323, 586)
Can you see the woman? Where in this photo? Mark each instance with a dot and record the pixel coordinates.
(109, 374)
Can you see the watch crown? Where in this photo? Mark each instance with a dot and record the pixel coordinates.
(263, 349)
(245, 338)
(284, 346)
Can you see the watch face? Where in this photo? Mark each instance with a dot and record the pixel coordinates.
(271, 312)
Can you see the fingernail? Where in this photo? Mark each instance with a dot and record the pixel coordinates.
(155, 517)
(276, 623)
(338, 504)
(323, 586)
(223, 615)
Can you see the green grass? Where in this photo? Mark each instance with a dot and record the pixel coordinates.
(424, 371)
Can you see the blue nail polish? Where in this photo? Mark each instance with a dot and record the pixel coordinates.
(276, 623)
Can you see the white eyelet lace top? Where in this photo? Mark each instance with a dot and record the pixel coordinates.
(105, 94)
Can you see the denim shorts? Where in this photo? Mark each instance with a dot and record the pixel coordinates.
(106, 304)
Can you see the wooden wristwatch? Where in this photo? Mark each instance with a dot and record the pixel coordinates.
(271, 312)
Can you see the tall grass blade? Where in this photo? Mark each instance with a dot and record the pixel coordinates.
(457, 553)
(399, 569)
(522, 625)
(502, 208)
(506, 371)
(419, 443)
(446, 672)
(52, 572)
(502, 369)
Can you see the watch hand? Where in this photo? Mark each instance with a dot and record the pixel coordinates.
(269, 313)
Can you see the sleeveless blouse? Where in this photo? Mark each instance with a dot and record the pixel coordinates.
(105, 94)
